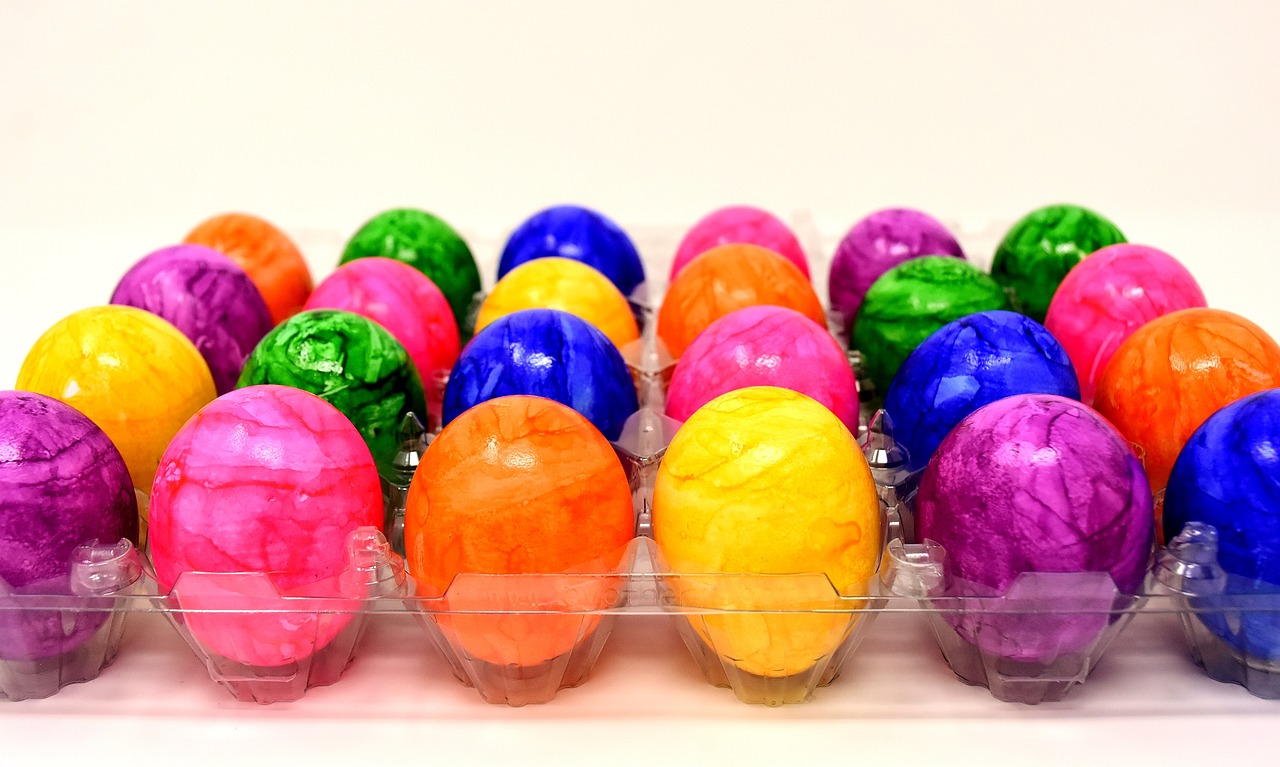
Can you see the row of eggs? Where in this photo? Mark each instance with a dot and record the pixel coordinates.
(791, 425)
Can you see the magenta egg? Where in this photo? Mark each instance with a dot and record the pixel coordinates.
(764, 346)
(740, 224)
(263, 481)
(1109, 295)
(1035, 483)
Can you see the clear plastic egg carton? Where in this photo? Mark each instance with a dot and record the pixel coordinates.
(522, 639)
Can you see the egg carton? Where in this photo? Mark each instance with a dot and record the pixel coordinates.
(53, 635)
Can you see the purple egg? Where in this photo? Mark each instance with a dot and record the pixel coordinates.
(206, 296)
(878, 243)
(62, 484)
(1035, 484)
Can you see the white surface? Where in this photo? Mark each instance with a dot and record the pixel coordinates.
(123, 124)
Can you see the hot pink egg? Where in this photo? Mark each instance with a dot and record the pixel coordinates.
(267, 482)
(1109, 295)
(764, 346)
(405, 302)
(740, 224)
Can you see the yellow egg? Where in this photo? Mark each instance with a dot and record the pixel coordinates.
(763, 483)
(561, 283)
(133, 374)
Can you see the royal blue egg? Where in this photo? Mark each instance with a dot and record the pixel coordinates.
(966, 364)
(545, 353)
(570, 231)
(1228, 476)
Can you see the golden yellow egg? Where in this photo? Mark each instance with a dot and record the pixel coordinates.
(561, 283)
(761, 483)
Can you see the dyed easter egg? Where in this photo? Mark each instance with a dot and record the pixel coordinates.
(1109, 295)
(62, 484)
(913, 300)
(580, 234)
(264, 480)
(726, 279)
(740, 224)
(966, 364)
(1035, 483)
(350, 361)
(875, 245)
(567, 285)
(764, 346)
(135, 375)
(1042, 247)
(405, 302)
(206, 296)
(518, 485)
(265, 253)
(429, 245)
(765, 481)
(1228, 476)
(1176, 371)
(545, 353)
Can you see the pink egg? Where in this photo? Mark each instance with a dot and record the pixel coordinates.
(263, 480)
(764, 346)
(740, 224)
(1108, 296)
(405, 302)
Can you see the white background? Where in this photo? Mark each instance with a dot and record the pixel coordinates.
(123, 124)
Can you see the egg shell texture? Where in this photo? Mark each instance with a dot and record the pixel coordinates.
(764, 346)
(726, 279)
(207, 297)
(739, 224)
(429, 245)
(1108, 296)
(878, 243)
(580, 234)
(265, 253)
(545, 353)
(567, 285)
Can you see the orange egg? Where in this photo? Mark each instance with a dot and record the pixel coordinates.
(266, 254)
(726, 279)
(518, 485)
(1175, 372)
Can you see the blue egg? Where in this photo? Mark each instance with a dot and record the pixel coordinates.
(545, 353)
(966, 364)
(1228, 476)
(570, 231)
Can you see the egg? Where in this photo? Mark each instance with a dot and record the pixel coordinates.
(578, 234)
(1042, 247)
(764, 346)
(350, 361)
(265, 253)
(545, 353)
(1108, 296)
(766, 481)
(428, 244)
(1034, 483)
(405, 302)
(910, 302)
(875, 245)
(1176, 371)
(561, 283)
(206, 296)
(133, 374)
(728, 278)
(62, 484)
(739, 224)
(1228, 476)
(264, 480)
(966, 364)
(518, 485)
